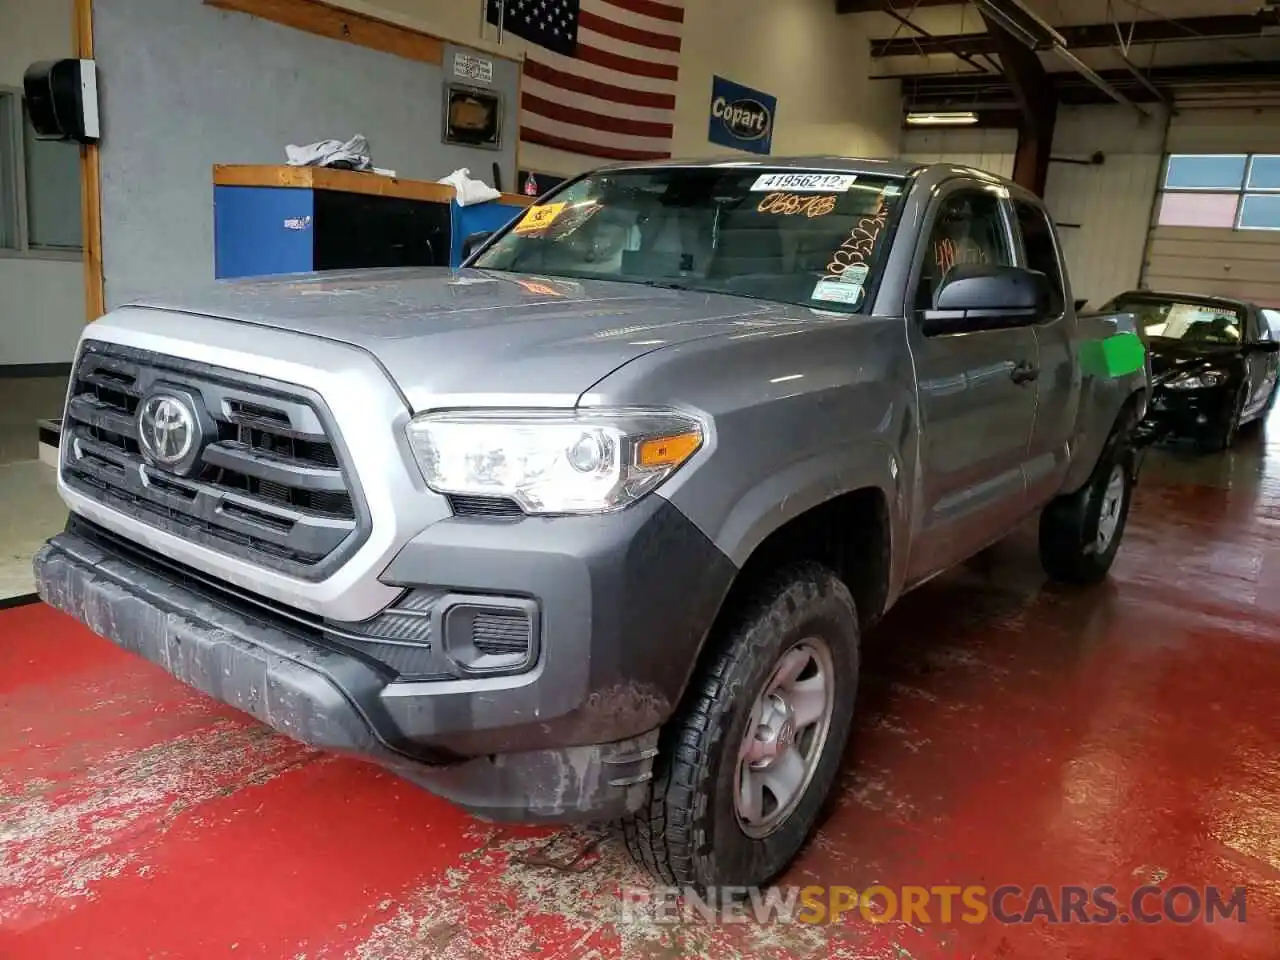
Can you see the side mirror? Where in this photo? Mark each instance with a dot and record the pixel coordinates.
(978, 296)
(474, 242)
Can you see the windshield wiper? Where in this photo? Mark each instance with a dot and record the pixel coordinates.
(664, 284)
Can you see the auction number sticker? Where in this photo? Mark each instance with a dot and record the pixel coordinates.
(538, 218)
(804, 182)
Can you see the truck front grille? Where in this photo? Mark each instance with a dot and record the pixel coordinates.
(264, 481)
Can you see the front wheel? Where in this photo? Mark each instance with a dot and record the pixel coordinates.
(1080, 533)
(748, 764)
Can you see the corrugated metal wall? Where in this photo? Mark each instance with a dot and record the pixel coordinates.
(1239, 263)
(1231, 263)
(987, 149)
(1103, 210)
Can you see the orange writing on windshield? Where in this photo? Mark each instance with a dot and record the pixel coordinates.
(859, 246)
(794, 204)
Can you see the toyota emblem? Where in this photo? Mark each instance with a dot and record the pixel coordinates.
(166, 429)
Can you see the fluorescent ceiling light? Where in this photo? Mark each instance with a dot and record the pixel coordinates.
(955, 118)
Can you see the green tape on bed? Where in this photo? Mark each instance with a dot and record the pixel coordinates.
(1115, 356)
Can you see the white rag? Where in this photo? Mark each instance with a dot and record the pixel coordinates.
(467, 191)
(352, 155)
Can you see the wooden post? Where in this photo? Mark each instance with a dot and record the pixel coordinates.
(90, 182)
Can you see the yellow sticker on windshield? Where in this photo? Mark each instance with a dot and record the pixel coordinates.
(541, 289)
(537, 218)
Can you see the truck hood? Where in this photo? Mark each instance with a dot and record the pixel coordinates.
(446, 335)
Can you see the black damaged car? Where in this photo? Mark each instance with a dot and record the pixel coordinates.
(1214, 363)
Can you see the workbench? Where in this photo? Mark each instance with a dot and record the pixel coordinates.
(279, 219)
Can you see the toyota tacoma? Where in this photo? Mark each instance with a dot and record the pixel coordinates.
(592, 529)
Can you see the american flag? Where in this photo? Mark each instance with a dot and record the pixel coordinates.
(600, 75)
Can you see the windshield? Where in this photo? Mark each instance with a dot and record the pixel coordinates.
(808, 238)
(1185, 320)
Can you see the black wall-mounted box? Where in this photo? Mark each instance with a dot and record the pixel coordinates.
(62, 100)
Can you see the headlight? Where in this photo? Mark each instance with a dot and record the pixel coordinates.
(554, 461)
(1196, 381)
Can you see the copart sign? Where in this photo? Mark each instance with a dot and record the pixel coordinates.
(741, 117)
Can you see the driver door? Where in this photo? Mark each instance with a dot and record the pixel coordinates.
(977, 391)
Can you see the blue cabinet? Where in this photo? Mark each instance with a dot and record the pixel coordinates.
(259, 231)
(277, 220)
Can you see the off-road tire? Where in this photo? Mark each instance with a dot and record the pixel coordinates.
(689, 834)
(1069, 525)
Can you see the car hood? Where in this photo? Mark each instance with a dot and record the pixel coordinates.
(1169, 357)
(449, 334)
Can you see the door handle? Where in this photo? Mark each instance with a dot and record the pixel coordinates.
(1024, 372)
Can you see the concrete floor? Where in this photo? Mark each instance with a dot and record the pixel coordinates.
(32, 513)
(30, 508)
(1008, 733)
(23, 401)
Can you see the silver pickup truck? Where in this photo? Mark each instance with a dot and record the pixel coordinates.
(593, 528)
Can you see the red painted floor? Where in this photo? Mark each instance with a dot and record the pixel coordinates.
(1010, 733)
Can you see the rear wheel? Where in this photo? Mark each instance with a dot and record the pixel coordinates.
(747, 766)
(1080, 534)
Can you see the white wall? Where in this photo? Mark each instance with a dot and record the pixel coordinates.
(986, 148)
(41, 301)
(1110, 202)
(815, 62)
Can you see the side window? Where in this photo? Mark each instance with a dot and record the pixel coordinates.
(1042, 253)
(969, 229)
(1268, 324)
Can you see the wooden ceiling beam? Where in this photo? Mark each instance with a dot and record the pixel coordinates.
(348, 26)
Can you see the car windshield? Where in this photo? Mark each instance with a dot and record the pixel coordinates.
(811, 238)
(1190, 321)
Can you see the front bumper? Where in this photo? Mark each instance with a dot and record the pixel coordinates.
(625, 603)
(1186, 414)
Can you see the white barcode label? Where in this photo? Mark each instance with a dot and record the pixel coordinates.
(805, 182)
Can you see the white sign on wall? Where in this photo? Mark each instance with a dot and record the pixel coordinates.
(473, 68)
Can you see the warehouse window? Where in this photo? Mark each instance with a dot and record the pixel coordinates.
(1232, 191)
(39, 187)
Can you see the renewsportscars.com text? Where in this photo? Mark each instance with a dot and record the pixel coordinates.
(945, 904)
